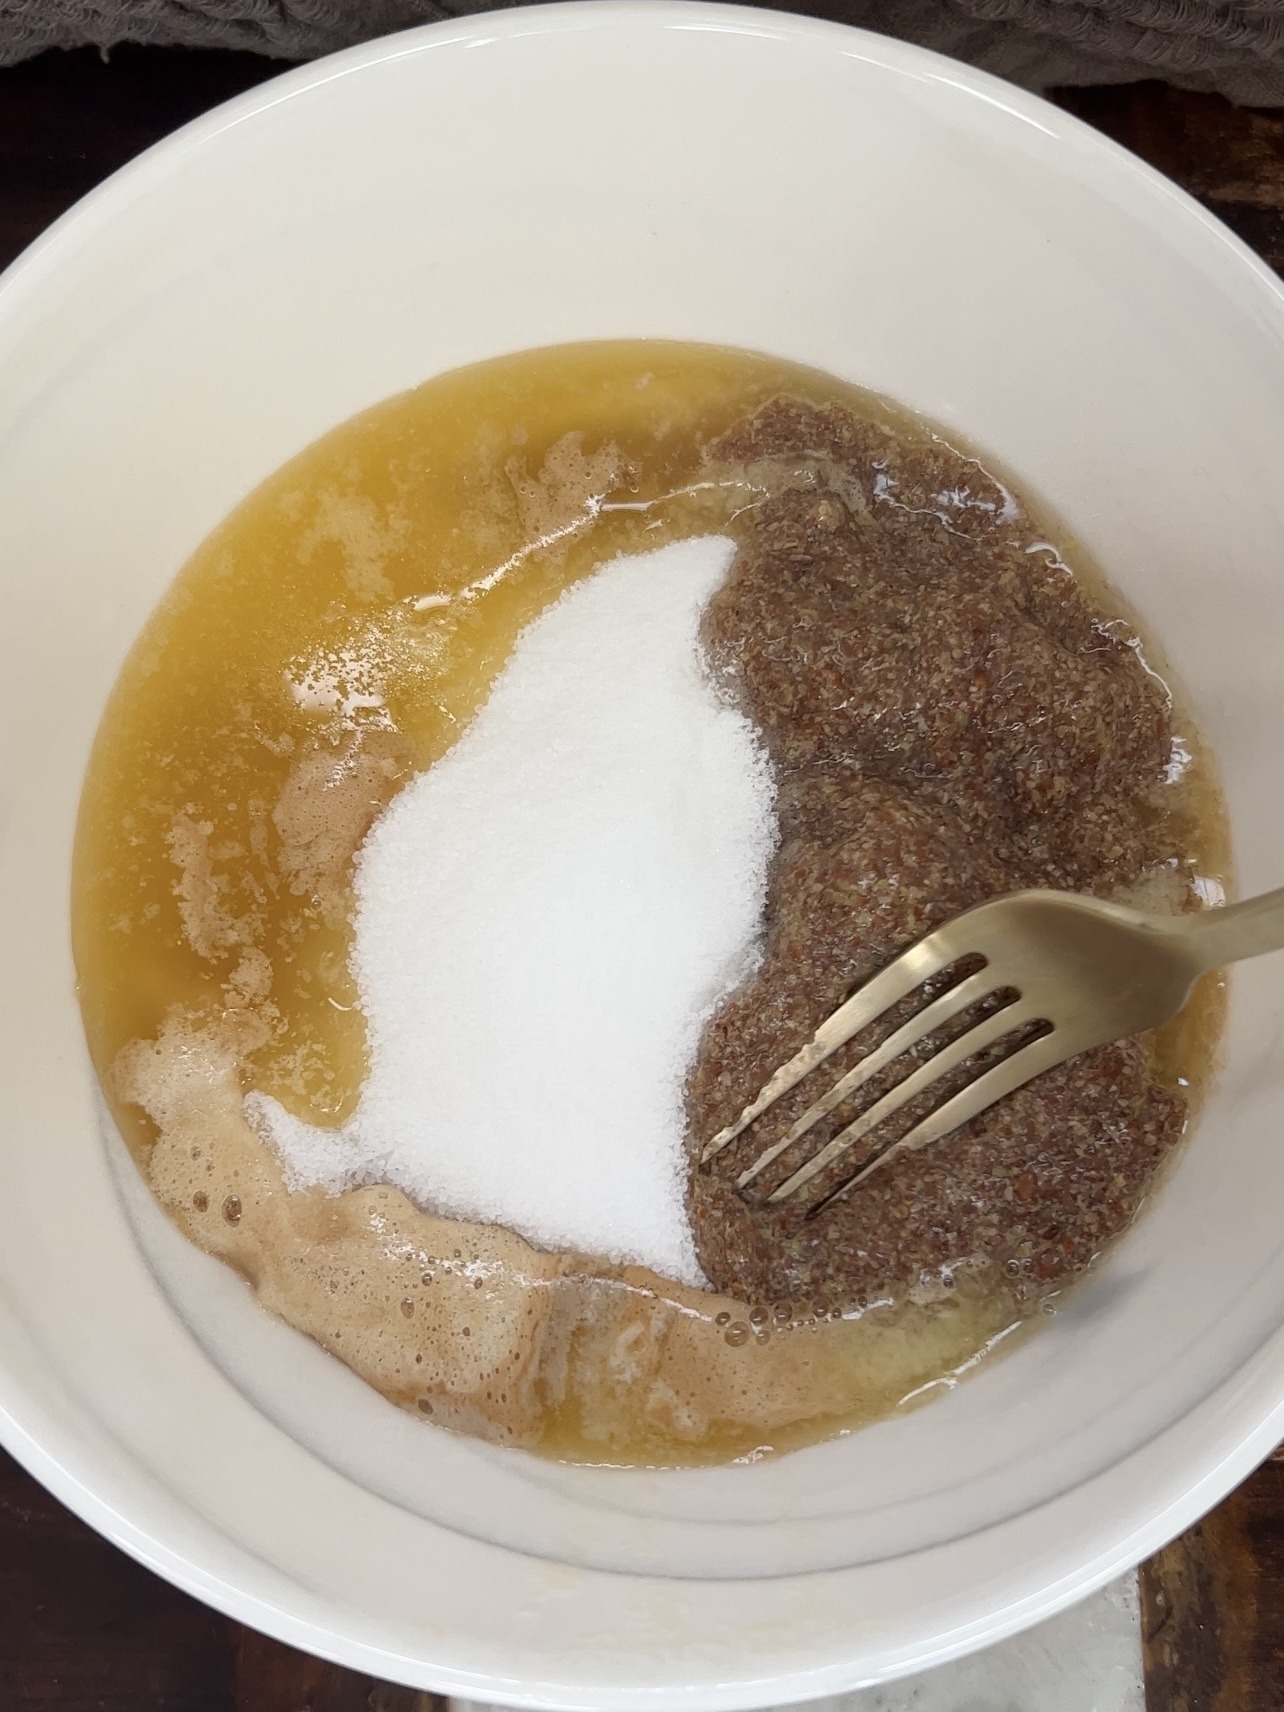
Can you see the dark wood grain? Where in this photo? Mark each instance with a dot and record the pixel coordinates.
(67, 120)
(1231, 158)
(268, 1677)
(85, 1629)
(1212, 1607)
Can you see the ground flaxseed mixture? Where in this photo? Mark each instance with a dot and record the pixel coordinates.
(950, 719)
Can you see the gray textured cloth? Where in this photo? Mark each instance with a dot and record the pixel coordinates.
(1236, 46)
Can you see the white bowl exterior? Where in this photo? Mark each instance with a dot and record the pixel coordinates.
(609, 170)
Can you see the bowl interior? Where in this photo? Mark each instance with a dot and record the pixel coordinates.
(592, 171)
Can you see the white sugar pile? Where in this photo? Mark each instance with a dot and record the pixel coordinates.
(544, 920)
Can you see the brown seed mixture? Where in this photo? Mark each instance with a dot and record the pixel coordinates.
(950, 718)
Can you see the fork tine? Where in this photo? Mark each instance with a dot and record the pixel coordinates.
(1023, 1066)
(957, 1051)
(946, 1006)
(866, 1004)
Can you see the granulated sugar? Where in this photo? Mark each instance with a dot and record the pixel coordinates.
(544, 919)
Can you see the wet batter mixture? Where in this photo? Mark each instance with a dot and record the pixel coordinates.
(950, 711)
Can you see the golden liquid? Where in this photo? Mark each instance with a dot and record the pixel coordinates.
(371, 591)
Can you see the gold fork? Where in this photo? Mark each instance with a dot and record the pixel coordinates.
(1072, 971)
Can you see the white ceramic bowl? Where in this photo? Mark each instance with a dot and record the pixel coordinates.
(684, 171)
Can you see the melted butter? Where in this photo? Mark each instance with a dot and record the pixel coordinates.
(333, 636)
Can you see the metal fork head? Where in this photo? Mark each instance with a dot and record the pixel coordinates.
(1046, 975)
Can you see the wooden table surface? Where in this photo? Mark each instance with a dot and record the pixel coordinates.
(85, 1629)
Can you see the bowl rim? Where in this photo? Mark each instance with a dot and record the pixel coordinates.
(71, 1468)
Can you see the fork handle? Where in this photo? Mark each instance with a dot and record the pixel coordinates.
(1219, 936)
